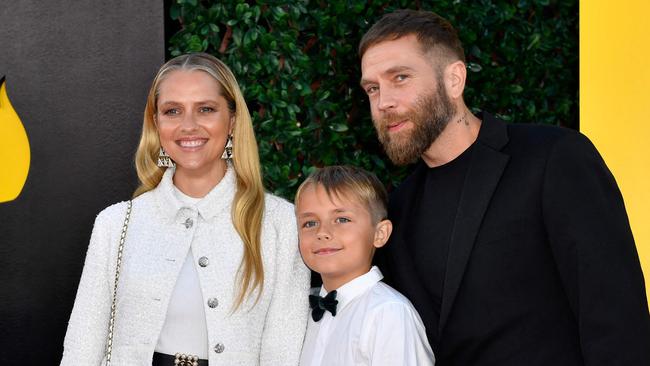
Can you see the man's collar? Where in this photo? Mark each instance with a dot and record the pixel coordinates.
(493, 132)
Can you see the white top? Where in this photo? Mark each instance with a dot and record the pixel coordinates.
(160, 235)
(374, 325)
(185, 329)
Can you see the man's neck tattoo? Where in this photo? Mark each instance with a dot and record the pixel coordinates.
(463, 119)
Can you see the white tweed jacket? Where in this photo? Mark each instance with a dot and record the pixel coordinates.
(160, 234)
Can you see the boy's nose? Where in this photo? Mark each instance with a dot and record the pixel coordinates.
(323, 236)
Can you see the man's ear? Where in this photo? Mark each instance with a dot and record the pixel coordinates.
(455, 75)
(382, 233)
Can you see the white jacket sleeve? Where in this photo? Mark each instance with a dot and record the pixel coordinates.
(85, 339)
(286, 320)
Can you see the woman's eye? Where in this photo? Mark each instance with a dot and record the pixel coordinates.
(206, 109)
(342, 220)
(170, 112)
(309, 224)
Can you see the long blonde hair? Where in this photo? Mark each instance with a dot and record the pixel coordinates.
(248, 204)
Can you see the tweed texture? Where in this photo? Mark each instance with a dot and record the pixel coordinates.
(269, 332)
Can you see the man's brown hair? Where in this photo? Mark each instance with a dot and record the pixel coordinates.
(432, 31)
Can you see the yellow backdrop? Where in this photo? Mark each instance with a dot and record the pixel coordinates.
(614, 102)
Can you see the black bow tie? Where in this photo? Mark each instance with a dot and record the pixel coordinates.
(320, 304)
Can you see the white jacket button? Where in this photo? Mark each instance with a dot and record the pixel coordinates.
(219, 347)
(188, 223)
(213, 302)
(203, 261)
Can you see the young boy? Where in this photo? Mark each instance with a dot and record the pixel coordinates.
(357, 319)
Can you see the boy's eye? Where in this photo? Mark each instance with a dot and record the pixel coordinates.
(309, 224)
(342, 220)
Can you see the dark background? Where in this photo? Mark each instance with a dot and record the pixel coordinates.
(77, 75)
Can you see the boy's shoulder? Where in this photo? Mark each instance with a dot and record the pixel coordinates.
(383, 298)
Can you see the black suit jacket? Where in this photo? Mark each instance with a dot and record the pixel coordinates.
(542, 267)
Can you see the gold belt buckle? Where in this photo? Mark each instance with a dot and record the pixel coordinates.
(186, 360)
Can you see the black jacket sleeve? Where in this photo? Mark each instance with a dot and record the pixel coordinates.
(594, 249)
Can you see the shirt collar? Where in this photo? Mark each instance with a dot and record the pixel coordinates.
(218, 200)
(355, 288)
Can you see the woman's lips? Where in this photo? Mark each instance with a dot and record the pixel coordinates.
(191, 143)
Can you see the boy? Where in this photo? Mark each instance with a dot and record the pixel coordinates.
(357, 319)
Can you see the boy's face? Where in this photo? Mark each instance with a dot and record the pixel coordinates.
(337, 235)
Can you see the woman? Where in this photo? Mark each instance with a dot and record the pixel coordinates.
(210, 265)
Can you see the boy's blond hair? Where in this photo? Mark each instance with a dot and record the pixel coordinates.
(353, 183)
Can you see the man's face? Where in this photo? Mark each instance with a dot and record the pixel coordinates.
(408, 101)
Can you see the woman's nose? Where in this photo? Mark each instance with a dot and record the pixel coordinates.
(189, 122)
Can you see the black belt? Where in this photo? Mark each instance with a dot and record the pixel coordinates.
(161, 359)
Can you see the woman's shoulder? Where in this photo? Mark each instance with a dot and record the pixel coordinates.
(277, 205)
(117, 210)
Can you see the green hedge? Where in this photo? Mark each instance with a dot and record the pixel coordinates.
(297, 65)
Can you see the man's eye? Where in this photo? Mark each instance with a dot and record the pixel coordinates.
(401, 77)
(206, 109)
(342, 220)
(309, 224)
(371, 90)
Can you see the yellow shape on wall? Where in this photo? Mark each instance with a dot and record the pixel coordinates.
(14, 149)
(614, 100)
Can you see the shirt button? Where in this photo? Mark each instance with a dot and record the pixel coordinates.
(188, 223)
(219, 347)
(203, 261)
(213, 302)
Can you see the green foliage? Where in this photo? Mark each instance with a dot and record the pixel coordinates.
(297, 65)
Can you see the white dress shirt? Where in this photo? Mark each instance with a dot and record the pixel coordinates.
(374, 325)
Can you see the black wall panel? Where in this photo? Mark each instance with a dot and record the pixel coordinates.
(77, 74)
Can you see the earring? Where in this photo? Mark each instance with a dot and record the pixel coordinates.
(227, 151)
(164, 161)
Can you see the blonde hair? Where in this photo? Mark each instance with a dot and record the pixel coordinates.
(248, 204)
(353, 183)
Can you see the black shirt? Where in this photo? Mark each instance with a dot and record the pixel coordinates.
(439, 192)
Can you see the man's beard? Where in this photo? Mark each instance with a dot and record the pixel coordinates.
(429, 116)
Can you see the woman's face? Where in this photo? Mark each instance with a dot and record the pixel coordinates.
(193, 121)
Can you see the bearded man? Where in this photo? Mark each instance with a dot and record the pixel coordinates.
(511, 240)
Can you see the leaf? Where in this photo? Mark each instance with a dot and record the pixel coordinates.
(338, 127)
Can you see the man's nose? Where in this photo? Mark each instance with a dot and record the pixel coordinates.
(386, 100)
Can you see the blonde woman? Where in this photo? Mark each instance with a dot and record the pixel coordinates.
(209, 267)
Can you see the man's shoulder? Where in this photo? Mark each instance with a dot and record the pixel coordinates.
(538, 133)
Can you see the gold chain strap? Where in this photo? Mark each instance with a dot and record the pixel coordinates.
(120, 249)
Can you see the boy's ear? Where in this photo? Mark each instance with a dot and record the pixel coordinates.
(382, 233)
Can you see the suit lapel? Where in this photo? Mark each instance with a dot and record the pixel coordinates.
(485, 169)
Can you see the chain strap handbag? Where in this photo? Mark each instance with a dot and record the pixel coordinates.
(120, 250)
